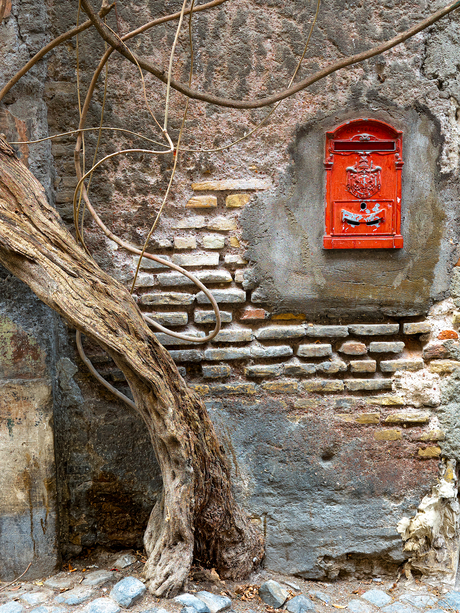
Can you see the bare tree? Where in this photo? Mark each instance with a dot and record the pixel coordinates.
(197, 514)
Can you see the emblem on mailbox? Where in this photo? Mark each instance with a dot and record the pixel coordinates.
(363, 186)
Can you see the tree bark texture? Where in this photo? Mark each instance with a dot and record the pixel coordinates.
(197, 515)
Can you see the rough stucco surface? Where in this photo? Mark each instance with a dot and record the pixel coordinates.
(328, 482)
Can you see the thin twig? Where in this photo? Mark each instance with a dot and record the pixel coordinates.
(17, 579)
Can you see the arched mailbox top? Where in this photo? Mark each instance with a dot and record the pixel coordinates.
(363, 160)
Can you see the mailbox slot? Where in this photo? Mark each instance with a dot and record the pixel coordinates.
(363, 186)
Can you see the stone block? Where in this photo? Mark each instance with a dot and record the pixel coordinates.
(233, 335)
(76, 596)
(202, 202)
(281, 332)
(386, 401)
(430, 452)
(186, 355)
(252, 314)
(223, 296)
(367, 418)
(373, 329)
(184, 242)
(358, 385)
(363, 366)
(299, 604)
(327, 331)
(216, 371)
(199, 388)
(288, 317)
(332, 367)
(232, 353)
(353, 348)
(299, 370)
(59, 583)
(170, 319)
(313, 350)
(213, 241)
(234, 242)
(167, 299)
(190, 223)
(234, 259)
(421, 601)
(280, 387)
(420, 327)
(443, 367)
(209, 317)
(237, 201)
(323, 385)
(388, 435)
(273, 594)
(433, 435)
(231, 185)
(277, 351)
(222, 224)
(151, 264)
(378, 347)
(214, 602)
(402, 364)
(408, 418)
(436, 351)
(189, 600)
(263, 370)
(144, 279)
(190, 260)
(358, 606)
(239, 276)
(36, 597)
(102, 605)
(128, 591)
(233, 389)
(171, 341)
(378, 598)
(99, 577)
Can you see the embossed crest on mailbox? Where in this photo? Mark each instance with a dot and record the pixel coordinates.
(363, 190)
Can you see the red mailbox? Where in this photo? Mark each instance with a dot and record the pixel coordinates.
(363, 186)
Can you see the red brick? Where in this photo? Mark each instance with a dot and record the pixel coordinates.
(445, 334)
(251, 314)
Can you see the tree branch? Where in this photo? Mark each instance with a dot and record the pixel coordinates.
(114, 42)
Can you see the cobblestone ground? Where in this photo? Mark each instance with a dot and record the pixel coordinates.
(114, 583)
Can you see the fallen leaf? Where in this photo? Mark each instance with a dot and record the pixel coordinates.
(339, 606)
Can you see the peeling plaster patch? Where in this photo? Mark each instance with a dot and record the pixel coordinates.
(431, 536)
(420, 388)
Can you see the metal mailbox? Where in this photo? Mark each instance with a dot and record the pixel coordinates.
(363, 186)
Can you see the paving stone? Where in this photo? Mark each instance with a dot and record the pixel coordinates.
(357, 385)
(408, 417)
(216, 372)
(280, 387)
(421, 327)
(399, 607)
(420, 601)
(312, 350)
(263, 370)
(167, 299)
(232, 353)
(59, 583)
(323, 385)
(232, 184)
(388, 435)
(172, 341)
(176, 279)
(170, 319)
(281, 332)
(37, 597)
(202, 202)
(233, 336)
(186, 355)
(99, 577)
(273, 594)
(332, 367)
(358, 606)
(443, 367)
(49, 609)
(195, 259)
(378, 598)
(209, 317)
(76, 596)
(128, 591)
(363, 365)
(379, 347)
(234, 259)
(190, 223)
(214, 602)
(299, 604)
(188, 610)
(213, 241)
(236, 201)
(235, 389)
(11, 607)
(189, 600)
(373, 329)
(327, 331)
(161, 610)
(353, 348)
(101, 605)
(222, 224)
(277, 351)
(223, 296)
(184, 242)
(321, 596)
(395, 365)
(299, 370)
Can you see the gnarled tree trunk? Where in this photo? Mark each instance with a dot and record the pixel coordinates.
(197, 510)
